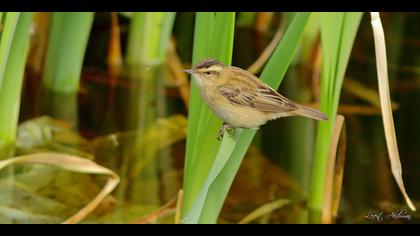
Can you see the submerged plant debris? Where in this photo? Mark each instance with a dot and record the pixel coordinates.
(60, 193)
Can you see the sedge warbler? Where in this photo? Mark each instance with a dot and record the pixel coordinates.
(240, 99)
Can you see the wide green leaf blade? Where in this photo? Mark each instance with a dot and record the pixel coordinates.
(68, 40)
(213, 38)
(9, 21)
(10, 92)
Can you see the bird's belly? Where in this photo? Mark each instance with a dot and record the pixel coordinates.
(241, 117)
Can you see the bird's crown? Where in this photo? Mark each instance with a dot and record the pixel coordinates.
(207, 63)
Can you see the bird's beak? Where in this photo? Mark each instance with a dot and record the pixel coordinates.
(190, 71)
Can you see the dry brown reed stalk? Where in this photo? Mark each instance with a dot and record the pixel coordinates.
(335, 169)
(178, 212)
(265, 55)
(388, 121)
(167, 209)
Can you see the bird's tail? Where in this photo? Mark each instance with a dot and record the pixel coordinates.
(310, 112)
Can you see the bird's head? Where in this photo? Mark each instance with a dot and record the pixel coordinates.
(207, 71)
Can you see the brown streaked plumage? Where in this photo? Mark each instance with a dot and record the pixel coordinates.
(242, 100)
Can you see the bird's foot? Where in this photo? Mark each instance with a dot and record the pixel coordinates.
(223, 129)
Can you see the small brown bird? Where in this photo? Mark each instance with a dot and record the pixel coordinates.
(240, 99)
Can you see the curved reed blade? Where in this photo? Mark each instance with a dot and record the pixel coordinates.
(391, 140)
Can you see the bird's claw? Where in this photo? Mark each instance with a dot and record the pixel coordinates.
(222, 131)
(220, 136)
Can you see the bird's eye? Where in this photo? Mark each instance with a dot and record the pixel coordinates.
(208, 72)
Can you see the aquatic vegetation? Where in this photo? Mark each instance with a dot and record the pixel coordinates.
(99, 123)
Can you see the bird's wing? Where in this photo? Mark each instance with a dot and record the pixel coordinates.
(257, 96)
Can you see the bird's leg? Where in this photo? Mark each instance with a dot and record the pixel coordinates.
(223, 129)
